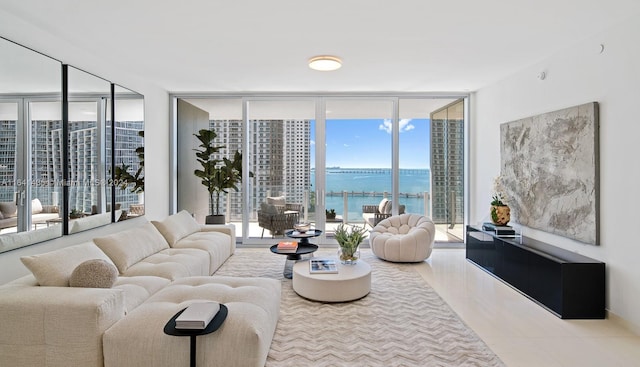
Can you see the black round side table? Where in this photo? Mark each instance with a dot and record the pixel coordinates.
(170, 329)
(292, 257)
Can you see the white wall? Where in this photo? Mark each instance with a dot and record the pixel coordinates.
(574, 76)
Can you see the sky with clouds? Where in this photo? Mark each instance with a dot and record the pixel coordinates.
(366, 143)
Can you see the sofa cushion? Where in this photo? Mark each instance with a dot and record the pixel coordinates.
(9, 209)
(269, 208)
(276, 200)
(216, 244)
(177, 226)
(172, 263)
(383, 205)
(95, 273)
(129, 247)
(138, 289)
(55, 268)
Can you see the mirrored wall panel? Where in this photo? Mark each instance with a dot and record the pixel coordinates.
(89, 98)
(127, 156)
(50, 136)
(30, 160)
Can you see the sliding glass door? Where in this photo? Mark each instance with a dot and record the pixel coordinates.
(358, 151)
(279, 157)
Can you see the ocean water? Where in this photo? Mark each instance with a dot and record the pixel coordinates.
(367, 187)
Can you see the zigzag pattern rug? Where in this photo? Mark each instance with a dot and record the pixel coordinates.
(402, 322)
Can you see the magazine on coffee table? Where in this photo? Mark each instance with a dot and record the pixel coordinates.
(323, 266)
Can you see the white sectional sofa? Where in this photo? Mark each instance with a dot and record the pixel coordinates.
(162, 267)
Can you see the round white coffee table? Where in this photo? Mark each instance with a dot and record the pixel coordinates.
(350, 283)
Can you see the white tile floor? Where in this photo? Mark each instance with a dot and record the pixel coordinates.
(519, 331)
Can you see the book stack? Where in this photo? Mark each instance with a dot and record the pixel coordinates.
(288, 247)
(197, 315)
(504, 231)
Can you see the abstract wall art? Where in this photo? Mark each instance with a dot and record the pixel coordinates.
(549, 167)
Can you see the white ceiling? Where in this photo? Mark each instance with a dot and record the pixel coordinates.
(258, 45)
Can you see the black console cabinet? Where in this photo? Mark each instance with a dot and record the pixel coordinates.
(570, 285)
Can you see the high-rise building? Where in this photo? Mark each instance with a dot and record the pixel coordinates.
(447, 164)
(279, 158)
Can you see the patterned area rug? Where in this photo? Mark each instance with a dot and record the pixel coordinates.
(402, 322)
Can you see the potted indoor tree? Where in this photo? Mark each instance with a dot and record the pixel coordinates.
(217, 175)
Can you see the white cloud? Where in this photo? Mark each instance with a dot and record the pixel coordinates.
(386, 126)
(346, 145)
(405, 125)
(312, 142)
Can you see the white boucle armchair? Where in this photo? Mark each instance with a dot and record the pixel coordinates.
(403, 238)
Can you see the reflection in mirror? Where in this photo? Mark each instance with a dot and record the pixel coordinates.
(88, 106)
(129, 152)
(30, 130)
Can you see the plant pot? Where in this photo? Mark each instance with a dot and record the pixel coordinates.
(215, 219)
(500, 214)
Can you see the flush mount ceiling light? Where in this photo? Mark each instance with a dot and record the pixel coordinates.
(325, 63)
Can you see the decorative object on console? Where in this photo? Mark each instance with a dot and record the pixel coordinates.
(499, 211)
(550, 170)
(501, 231)
(349, 238)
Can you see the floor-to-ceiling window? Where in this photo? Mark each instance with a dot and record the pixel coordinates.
(323, 155)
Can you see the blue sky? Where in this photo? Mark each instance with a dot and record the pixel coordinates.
(366, 143)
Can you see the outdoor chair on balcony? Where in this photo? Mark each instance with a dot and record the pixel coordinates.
(373, 214)
(276, 219)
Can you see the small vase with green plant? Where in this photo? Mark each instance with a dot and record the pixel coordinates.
(349, 238)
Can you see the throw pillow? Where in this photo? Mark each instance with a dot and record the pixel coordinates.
(276, 200)
(36, 206)
(54, 268)
(129, 247)
(9, 209)
(177, 227)
(95, 273)
(387, 207)
(382, 205)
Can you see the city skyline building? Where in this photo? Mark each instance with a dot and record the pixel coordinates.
(447, 164)
(279, 158)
